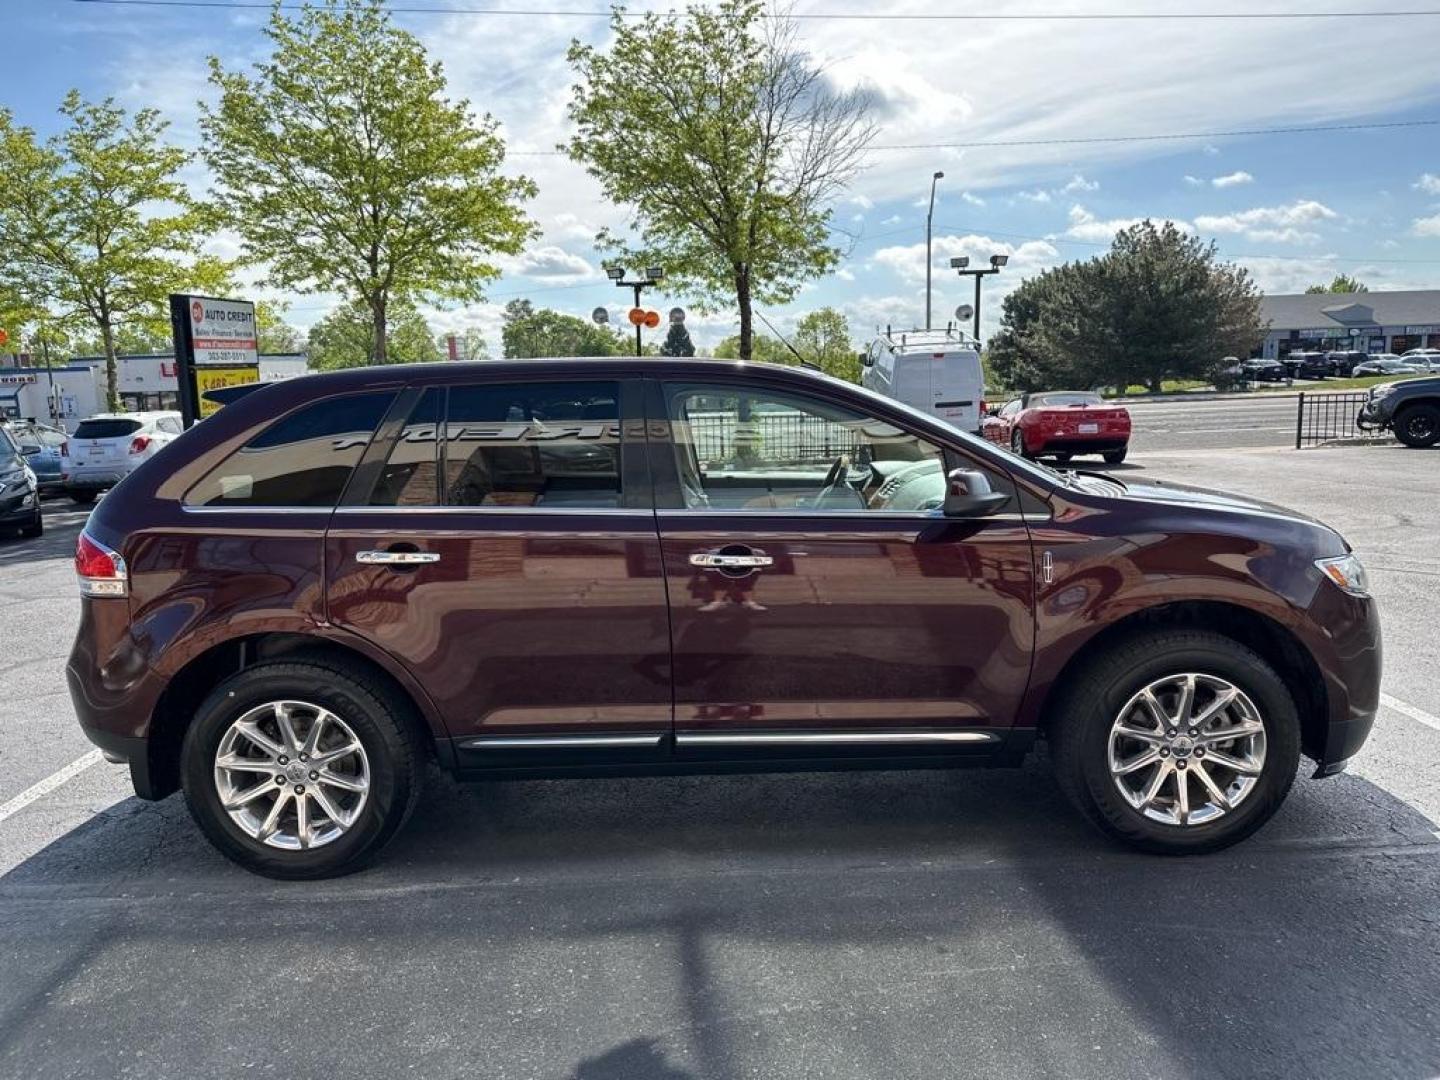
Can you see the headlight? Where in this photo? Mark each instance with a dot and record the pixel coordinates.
(1383, 390)
(1347, 572)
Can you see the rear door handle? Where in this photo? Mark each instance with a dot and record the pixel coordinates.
(396, 558)
(711, 561)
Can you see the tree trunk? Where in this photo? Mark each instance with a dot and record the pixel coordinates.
(1155, 384)
(742, 300)
(381, 350)
(112, 375)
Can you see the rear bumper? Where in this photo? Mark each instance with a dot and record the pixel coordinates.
(1087, 444)
(93, 481)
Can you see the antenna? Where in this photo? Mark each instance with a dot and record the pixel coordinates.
(784, 341)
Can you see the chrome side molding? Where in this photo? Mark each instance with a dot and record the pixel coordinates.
(831, 738)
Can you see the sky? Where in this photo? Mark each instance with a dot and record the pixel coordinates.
(1294, 209)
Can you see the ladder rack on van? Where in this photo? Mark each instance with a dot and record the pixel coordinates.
(951, 335)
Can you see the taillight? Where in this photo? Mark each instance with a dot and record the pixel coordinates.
(140, 444)
(101, 570)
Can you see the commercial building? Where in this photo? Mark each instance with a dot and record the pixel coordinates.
(67, 395)
(1372, 322)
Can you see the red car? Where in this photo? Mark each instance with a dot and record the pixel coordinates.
(1061, 423)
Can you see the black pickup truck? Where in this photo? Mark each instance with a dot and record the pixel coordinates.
(1411, 409)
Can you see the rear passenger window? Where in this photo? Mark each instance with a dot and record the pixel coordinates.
(303, 460)
(554, 445)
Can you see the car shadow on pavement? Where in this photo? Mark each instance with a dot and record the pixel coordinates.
(62, 525)
(836, 924)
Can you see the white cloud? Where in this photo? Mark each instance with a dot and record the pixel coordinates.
(1275, 224)
(1084, 225)
(1079, 183)
(864, 202)
(549, 263)
(1039, 195)
(1211, 149)
(1194, 181)
(1428, 183)
(973, 200)
(1234, 179)
(893, 219)
(1426, 226)
(907, 261)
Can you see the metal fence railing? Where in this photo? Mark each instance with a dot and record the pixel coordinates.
(790, 437)
(1322, 418)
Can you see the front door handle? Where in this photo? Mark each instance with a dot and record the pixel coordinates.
(396, 558)
(710, 560)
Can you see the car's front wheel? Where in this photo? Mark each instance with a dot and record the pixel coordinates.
(301, 769)
(1177, 741)
(36, 527)
(1418, 425)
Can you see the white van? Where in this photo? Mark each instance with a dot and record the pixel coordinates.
(935, 371)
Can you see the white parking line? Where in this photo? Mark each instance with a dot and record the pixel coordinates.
(49, 784)
(1411, 711)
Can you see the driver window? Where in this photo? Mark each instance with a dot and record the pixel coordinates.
(752, 449)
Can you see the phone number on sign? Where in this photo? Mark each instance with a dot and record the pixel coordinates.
(228, 356)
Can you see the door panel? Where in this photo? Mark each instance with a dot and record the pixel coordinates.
(855, 624)
(834, 608)
(538, 621)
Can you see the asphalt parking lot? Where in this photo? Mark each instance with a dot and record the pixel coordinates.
(841, 925)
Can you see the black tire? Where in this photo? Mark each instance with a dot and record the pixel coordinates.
(1017, 445)
(1079, 731)
(1115, 457)
(35, 528)
(1418, 426)
(84, 498)
(381, 720)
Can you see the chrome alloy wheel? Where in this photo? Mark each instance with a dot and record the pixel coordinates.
(1187, 749)
(292, 775)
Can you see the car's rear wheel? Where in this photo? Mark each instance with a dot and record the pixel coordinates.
(1176, 742)
(1418, 425)
(84, 498)
(1017, 444)
(1115, 457)
(301, 769)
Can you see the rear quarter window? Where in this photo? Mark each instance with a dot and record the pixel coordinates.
(304, 459)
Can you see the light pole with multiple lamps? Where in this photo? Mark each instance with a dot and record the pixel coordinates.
(653, 276)
(960, 262)
(929, 217)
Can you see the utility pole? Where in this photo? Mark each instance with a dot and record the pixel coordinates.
(929, 219)
(959, 264)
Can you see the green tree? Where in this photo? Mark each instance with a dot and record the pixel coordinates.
(677, 341)
(345, 338)
(346, 169)
(1342, 283)
(727, 144)
(1159, 305)
(823, 338)
(273, 334)
(530, 332)
(95, 224)
(763, 348)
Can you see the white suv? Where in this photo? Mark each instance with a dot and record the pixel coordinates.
(1423, 359)
(104, 449)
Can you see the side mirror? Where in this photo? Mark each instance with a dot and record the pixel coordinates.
(865, 358)
(993, 410)
(968, 495)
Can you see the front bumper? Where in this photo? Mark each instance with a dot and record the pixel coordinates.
(20, 508)
(1373, 416)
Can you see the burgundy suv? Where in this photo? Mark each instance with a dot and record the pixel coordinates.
(600, 567)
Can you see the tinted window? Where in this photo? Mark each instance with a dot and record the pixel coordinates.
(169, 424)
(533, 445)
(106, 429)
(759, 450)
(303, 460)
(411, 476)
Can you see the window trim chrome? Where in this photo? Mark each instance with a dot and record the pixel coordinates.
(833, 738)
(559, 742)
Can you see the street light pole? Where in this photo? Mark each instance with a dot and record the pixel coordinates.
(959, 264)
(929, 218)
(652, 276)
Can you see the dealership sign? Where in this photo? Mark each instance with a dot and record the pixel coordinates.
(216, 345)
